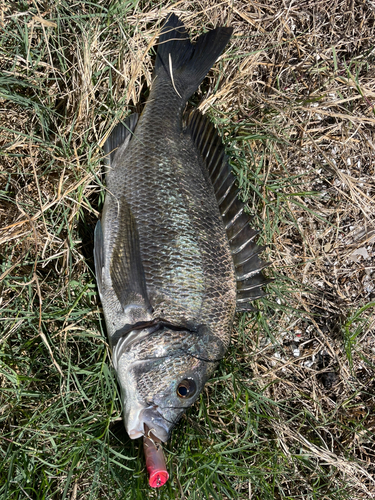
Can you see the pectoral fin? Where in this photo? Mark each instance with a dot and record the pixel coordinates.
(126, 267)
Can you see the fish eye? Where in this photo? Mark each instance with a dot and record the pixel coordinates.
(186, 388)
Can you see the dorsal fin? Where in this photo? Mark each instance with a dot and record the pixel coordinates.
(120, 137)
(241, 236)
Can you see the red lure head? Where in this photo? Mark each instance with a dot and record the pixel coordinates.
(155, 461)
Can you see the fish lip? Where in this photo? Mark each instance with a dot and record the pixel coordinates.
(153, 419)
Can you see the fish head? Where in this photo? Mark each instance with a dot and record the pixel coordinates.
(161, 373)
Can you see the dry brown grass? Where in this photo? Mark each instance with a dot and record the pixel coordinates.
(297, 85)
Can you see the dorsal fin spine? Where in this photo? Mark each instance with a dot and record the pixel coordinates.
(231, 203)
(227, 191)
(203, 134)
(221, 165)
(215, 161)
(231, 222)
(239, 249)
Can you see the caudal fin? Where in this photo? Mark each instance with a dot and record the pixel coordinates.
(185, 64)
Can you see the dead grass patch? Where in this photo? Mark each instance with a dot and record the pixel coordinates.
(294, 95)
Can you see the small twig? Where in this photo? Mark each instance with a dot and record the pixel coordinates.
(171, 72)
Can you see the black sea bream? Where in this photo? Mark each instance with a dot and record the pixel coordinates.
(174, 253)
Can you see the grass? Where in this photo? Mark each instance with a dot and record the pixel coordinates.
(290, 412)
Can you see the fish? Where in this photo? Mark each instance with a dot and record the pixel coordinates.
(175, 256)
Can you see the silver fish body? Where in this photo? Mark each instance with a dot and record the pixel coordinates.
(164, 260)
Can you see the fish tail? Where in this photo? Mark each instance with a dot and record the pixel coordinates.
(185, 64)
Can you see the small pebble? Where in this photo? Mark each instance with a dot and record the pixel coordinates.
(296, 352)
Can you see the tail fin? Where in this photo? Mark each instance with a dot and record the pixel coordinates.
(183, 63)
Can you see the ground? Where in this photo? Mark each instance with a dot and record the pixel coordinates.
(290, 411)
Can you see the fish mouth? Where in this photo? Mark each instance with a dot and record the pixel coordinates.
(156, 423)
